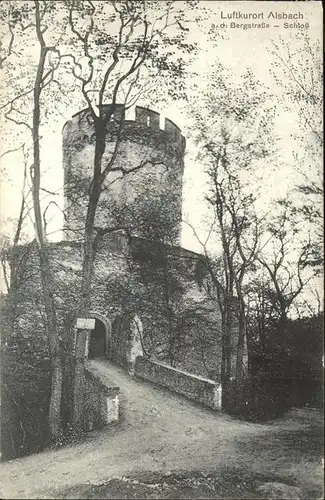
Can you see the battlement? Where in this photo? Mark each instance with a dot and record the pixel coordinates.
(145, 118)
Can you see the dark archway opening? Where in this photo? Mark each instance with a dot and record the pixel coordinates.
(97, 345)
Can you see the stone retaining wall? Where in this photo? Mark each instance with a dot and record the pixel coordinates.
(101, 400)
(199, 389)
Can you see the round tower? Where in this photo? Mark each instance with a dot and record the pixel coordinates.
(143, 190)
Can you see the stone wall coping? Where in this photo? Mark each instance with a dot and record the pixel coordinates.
(183, 372)
(179, 251)
(105, 384)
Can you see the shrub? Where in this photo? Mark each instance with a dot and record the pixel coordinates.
(24, 407)
(258, 398)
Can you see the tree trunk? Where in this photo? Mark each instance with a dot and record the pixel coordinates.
(226, 340)
(54, 346)
(87, 274)
(56, 395)
(78, 389)
(228, 344)
(240, 343)
(223, 349)
(171, 334)
(46, 276)
(283, 329)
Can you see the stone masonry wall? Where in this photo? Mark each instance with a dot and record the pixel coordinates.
(162, 285)
(199, 389)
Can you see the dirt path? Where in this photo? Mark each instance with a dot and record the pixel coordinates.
(161, 432)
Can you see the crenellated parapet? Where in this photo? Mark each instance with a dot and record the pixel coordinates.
(147, 117)
(147, 125)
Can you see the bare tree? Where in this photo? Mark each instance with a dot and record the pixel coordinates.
(290, 262)
(298, 70)
(32, 17)
(235, 134)
(8, 243)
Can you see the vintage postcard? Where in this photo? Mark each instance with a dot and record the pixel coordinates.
(161, 249)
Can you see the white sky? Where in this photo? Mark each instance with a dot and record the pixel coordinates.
(239, 49)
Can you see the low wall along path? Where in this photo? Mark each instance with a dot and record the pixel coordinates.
(199, 389)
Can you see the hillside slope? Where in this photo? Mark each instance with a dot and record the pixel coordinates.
(162, 432)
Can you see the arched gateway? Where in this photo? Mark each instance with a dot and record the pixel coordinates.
(99, 342)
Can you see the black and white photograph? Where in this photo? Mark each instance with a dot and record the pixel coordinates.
(161, 249)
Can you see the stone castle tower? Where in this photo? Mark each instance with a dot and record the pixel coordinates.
(149, 198)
